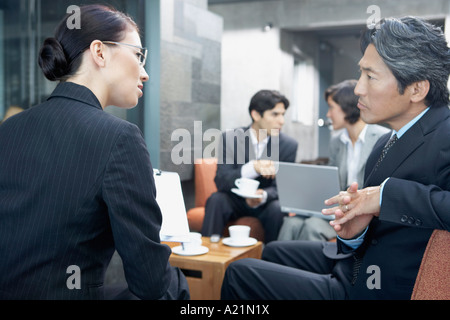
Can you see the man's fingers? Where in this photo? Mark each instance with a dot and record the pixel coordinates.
(340, 199)
(333, 200)
(353, 188)
(329, 211)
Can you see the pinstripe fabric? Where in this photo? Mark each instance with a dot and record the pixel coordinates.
(75, 183)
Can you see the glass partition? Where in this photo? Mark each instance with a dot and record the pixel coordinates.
(24, 24)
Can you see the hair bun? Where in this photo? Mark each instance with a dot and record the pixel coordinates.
(52, 60)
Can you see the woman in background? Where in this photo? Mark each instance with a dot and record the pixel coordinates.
(349, 150)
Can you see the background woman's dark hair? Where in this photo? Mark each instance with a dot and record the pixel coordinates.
(61, 56)
(343, 94)
(414, 50)
(265, 100)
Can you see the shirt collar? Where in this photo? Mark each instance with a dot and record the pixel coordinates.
(255, 140)
(345, 138)
(406, 127)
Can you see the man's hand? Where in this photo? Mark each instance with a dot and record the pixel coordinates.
(355, 210)
(266, 168)
(253, 203)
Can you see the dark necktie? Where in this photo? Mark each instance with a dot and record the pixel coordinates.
(357, 257)
(386, 148)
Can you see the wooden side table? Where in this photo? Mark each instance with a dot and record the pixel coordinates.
(204, 273)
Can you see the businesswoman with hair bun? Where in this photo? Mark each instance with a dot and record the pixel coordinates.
(76, 183)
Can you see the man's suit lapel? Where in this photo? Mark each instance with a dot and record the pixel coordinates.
(267, 152)
(402, 149)
(249, 150)
(239, 139)
(244, 143)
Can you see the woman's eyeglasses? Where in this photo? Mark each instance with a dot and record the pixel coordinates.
(141, 54)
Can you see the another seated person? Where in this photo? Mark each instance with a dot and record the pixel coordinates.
(252, 152)
(349, 151)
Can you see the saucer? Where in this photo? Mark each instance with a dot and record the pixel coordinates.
(198, 251)
(250, 196)
(247, 242)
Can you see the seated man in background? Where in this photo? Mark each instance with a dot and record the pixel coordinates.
(252, 152)
(349, 151)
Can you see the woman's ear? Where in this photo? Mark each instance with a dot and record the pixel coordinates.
(98, 53)
(419, 90)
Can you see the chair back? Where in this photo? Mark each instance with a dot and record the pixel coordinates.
(433, 279)
(204, 172)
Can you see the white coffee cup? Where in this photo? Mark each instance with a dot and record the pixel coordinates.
(194, 243)
(239, 233)
(247, 186)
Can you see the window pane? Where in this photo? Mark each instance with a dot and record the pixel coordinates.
(24, 24)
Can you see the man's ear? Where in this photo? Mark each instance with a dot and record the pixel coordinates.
(255, 115)
(419, 90)
(98, 53)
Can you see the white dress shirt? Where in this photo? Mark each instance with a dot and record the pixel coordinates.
(353, 153)
(248, 169)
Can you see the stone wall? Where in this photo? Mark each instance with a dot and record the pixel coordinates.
(190, 76)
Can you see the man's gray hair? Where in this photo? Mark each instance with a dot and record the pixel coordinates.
(414, 50)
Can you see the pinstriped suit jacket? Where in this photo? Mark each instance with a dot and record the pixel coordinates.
(75, 184)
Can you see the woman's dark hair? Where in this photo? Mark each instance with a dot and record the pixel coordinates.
(343, 94)
(414, 50)
(61, 56)
(265, 100)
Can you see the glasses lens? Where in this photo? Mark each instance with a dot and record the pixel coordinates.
(143, 56)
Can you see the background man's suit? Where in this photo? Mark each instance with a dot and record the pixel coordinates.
(224, 205)
(416, 200)
(76, 183)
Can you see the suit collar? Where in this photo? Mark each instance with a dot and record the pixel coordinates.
(76, 92)
(433, 118)
(407, 144)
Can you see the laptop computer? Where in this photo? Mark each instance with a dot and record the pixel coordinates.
(169, 196)
(303, 188)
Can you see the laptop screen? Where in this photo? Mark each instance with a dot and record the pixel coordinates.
(303, 188)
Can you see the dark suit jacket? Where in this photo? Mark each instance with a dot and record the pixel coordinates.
(416, 200)
(76, 183)
(234, 154)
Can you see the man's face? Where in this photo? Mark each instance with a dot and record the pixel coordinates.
(379, 99)
(272, 120)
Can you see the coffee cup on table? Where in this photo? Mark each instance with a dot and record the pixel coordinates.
(195, 242)
(247, 186)
(239, 233)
